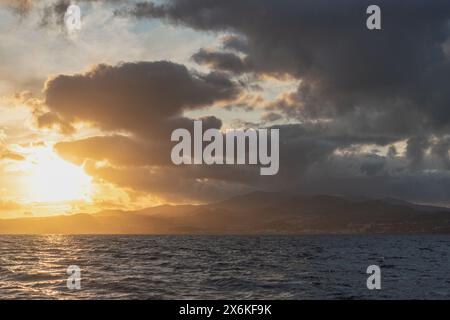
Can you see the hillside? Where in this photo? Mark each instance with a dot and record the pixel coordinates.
(255, 213)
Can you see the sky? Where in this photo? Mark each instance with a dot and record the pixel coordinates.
(86, 117)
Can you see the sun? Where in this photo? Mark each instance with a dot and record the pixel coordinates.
(53, 179)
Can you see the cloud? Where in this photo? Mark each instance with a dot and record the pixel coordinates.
(51, 11)
(342, 65)
(52, 14)
(361, 95)
(21, 7)
(223, 61)
(235, 43)
(441, 150)
(416, 149)
(143, 98)
(139, 105)
(139, 160)
(9, 205)
(373, 165)
(270, 116)
(175, 184)
(118, 150)
(6, 154)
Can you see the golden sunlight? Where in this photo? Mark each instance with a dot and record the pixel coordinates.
(54, 180)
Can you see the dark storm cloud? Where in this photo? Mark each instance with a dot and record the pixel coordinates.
(144, 98)
(235, 43)
(369, 87)
(373, 165)
(307, 145)
(224, 61)
(416, 148)
(343, 64)
(442, 151)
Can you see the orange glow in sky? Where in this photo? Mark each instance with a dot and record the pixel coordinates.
(52, 179)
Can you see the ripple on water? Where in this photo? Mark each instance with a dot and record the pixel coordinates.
(272, 267)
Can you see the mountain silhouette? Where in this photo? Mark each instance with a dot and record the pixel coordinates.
(254, 213)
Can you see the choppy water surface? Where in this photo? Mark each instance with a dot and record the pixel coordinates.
(209, 267)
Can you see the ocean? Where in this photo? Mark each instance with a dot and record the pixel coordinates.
(224, 267)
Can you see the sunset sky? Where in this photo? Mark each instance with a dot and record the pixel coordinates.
(85, 118)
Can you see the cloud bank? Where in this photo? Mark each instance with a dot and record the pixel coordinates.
(370, 115)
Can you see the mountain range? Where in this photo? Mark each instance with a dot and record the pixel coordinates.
(254, 213)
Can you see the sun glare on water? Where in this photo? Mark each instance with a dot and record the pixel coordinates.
(54, 180)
